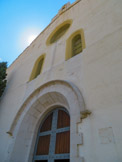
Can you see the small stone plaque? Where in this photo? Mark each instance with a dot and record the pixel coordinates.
(106, 135)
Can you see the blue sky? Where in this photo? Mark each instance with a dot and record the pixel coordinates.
(20, 20)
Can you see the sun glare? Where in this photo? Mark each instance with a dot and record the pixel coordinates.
(27, 36)
(31, 38)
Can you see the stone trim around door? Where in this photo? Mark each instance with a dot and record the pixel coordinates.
(44, 99)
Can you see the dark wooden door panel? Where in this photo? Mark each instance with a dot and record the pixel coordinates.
(46, 126)
(63, 119)
(62, 143)
(43, 145)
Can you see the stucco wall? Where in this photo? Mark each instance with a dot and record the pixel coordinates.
(97, 72)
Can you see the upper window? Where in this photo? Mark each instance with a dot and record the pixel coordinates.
(59, 32)
(37, 67)
(75, 44)
(53, 140)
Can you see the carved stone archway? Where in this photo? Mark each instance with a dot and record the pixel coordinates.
(39, 103)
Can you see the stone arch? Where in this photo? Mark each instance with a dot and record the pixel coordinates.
(41, 101)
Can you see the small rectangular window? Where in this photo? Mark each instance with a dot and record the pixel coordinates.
(76, 45)
(41, 161)
(37, 69)
(63, 160)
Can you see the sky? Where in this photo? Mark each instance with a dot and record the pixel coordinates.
(21, 21)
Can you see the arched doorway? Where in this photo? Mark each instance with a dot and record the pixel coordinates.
(26, 123)
(53, 139)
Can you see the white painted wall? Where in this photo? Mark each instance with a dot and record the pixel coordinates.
(97, 72)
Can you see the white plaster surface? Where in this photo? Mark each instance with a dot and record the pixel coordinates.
(97, 72)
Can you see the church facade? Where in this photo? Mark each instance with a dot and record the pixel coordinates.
(63, 100)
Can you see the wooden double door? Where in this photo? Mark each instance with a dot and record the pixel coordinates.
(53, 140)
